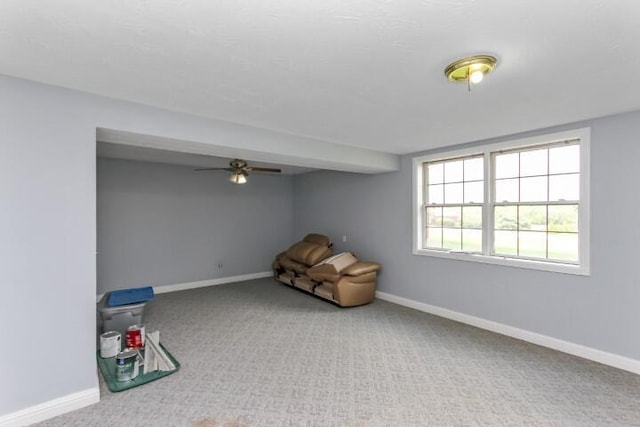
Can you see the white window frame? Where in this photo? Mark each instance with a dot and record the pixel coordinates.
(583, 268)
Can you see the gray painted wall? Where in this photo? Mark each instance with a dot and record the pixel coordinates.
(163, 224)
(601, 311)
(47, 246)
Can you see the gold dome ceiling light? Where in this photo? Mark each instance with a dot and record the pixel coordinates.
(471, 69)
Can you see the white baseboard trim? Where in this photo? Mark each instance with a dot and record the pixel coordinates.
(610, 359)
(210, 282)
(52, 408)
(204, 283)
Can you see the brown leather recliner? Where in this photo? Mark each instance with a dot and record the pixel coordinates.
(295, 261)
(341, 278)
(345, 280)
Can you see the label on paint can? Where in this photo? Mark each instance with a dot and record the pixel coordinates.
(127, 366)
(110, 344)
(135, 336)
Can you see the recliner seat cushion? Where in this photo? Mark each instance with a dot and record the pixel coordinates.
(323, 273)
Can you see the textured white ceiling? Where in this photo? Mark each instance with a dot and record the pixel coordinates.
(363, 73)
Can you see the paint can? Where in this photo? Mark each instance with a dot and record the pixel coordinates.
(135, 336)
(127, 366)
(110, 344)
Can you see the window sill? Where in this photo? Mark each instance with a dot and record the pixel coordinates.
(555, 267)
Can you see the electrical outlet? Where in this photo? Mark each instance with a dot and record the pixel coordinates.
(344, 238)
(220, 266)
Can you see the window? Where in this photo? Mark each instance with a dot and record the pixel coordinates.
(520, 203)
(453, 211)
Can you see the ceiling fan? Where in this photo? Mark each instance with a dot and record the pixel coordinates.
(240, 170)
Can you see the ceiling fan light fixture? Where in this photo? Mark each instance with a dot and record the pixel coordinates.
(476, 76)
(240, 170)
(471, 69)
(238, 177)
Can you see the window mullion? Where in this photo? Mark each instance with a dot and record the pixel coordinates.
(487, 210)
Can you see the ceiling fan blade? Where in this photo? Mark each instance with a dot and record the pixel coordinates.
(214, 169)
(257, 169)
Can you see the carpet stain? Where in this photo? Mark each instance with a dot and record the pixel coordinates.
(211, 422)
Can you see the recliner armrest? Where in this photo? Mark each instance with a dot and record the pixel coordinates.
(361, 267)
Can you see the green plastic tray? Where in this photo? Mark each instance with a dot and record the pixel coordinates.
(108, 369)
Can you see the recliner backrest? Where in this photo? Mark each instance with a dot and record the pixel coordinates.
(311, 250)
(319, 239)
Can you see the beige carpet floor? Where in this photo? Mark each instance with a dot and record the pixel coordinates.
(260, 354)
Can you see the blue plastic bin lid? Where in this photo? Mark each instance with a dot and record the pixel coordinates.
(130, 296)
